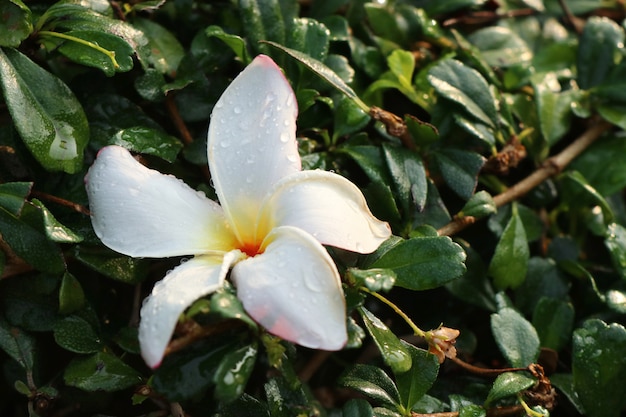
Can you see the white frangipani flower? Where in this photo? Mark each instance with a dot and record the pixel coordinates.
(268, 230)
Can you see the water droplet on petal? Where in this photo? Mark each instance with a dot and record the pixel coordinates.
(225, 143)
(237, 110)
(284, 137)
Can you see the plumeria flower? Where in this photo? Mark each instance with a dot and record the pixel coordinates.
(268, 229)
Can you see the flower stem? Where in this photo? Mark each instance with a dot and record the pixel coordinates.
(416, 330)
(110, 54)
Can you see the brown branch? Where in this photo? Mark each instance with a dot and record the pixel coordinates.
(192, 332)
(485, 372)
(60, 201)
(172, 110)
(313, 365)
(483, 17)
(573, 21)
(394, 125)
(550, 167)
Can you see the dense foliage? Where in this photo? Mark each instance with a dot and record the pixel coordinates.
(489, 134)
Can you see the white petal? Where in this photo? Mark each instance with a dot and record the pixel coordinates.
(329, 207)
(252, 141)
(173, 294)
(294, 291)
(140, 212)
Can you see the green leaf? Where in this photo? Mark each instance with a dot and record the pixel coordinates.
(71, 295)
(357, 407)
(349, 118)
(615, 242)
(31, 303)
(166, 50)
(501, 46)
(516, 337)
(19, 345)
(423, 133)
(424, 262)
(54, 230)
(508, 384)
(233, 372)
(554, 320)
(309, 36)
(409, 177)
(576, 192)
(463, 85)
(554, 109)
(234, 42)
(324, 72)
(16, 24)
(598, 48)
(189, 373)
(30, 243)
(75, 334)
(112, 264)
(413, 384)
(459, 169)
(598, 367)
(375, 279)
(394, 353)
(100, 372)
(479, 205)
(90, 47)
(510, 261)
(402, 65)
(372, 382)
(226, 304)
(47, 115)
(601, 165)
(262, 20)
(565, 384)
(13, 195)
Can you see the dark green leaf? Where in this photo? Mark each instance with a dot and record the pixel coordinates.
(166, 50)
(15, 25)
(413, 384)
(47, 115)
(262, 20)
(357, 407)
(76, 335)
(472, 410)
(234, 42)
(479, 205)
(372, 382)
(424, 262)
(474, 287)
(13, 195)
(576, 192)
(508, 384)
(151, 85)
(376, 279)
(113, 265)
(565, 384)
(516, 337)
(597, 51)
(616, 244)
(100, 372)
(233, 372)
(409, 177)
(598, 367)
(349, 118)
(71, 294)
(311, 37)
(31, 303)
(18, 344)
(465, 86)
(501, 47)
(554, 320)
(394, 353)
(227, 305)
(510, 261)
(601, 165)
(459, 169)
(423, 133)
(543, 279)
(54, 230)
(554, 110)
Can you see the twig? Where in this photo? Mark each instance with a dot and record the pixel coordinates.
(482, 17)
(569, 17)
(394, 125)
(313, 365)
(485, 372)
(194, 332)
(60, 201)
(551, 166)
(172, 110)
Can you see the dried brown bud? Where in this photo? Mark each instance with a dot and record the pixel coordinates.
(441, 342)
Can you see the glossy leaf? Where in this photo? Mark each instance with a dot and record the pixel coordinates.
(413, 384)
(71, 294)
(234, 42)
(510, 261)
(479, 205)
(424, 262)
(372, 382)
(36, 212)
(113, 265)
(616, 244)
(100, 372)
(409, 177)
(232, 374)
(508, 384)
(47, 115)
(309, 36)
(16, 24)
(357, 407)
(166, 52)
(376, 279)
(600, 165)
(459, 169)
(226, 304)
(76, 335)
(13, 195)
(19, 345)
(516, 337)
(554, 320)
(501, 47)
(394, 353)
(598, 365)
(599, 43)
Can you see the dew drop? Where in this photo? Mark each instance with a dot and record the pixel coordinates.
(284, 137)
(312, 281)
(225, 143)
(237, 110)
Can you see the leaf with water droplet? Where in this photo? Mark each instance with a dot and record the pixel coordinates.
(413, 384)
(394, 352)
(376, 279)
(102, 371)
(233, 372)
(373, 382)
(508, 384)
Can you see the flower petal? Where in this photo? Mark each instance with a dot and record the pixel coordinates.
(141, 212)
(329, 207)
(252, 141)
(294, 291)
(173, 294)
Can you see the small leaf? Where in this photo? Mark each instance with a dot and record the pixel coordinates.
(227, 305)
(598, 367)
(459, 169)
(516, 337)
(13, 195)
(394, 353)
(601, 165)
(18, 344)
(234, 42)
(71, 295)
(479, 205)
(510, 261)
(100, 372)
(309, 36)
(501, 47)
(554, 320)
(75, 334)
(372, 382)
(166, 52)
(357, 407)
(16, 24)
(413, 384)
(424, 262)
(375, 279)
(598, 47)
(508, 384)
(54, 230)
(112, 264)
(47, 115)
(233, 372)
(409, 177)
(615, 242)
